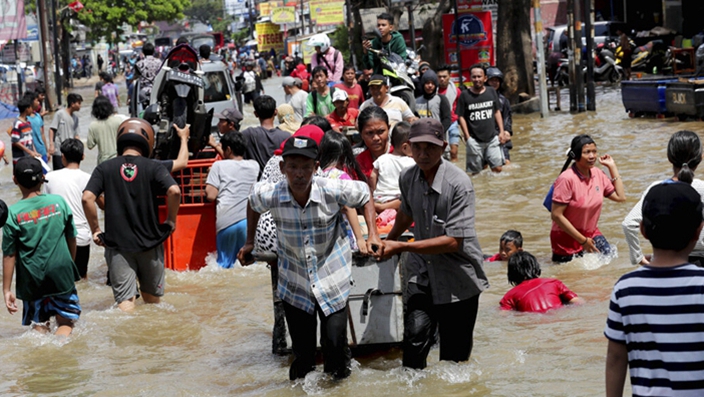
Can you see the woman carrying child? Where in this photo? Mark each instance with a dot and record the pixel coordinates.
(530, 292)
(373, 124)
(684, 151)
(577, 199)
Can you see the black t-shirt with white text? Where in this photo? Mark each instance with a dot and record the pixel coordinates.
(478, 111)
(131, 185)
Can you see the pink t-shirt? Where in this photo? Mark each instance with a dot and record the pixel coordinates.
(584, 197)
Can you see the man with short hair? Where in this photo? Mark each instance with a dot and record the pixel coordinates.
(444, 267)
(390, 40)
(478, 109)
(448, 89)
(395, 107)
(319, 101)
(315, 265)
(133, 234)
(264, 139)
(295, 96)
(64, 126)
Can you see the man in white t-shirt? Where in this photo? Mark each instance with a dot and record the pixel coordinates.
(395, 107)
(69, 183)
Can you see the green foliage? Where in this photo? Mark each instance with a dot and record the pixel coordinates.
(106, 18)
(339, 39)
(205, 11)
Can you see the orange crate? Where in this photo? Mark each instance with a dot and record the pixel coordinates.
(194, 237)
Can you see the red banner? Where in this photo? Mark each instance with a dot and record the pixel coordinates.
(76, 6)
(12, 22)
(475, 37)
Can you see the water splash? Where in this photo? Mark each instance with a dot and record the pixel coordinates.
(596, 260)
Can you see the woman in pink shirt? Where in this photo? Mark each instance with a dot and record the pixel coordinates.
(577, 199)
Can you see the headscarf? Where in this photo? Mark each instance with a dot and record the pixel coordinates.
(287, 118)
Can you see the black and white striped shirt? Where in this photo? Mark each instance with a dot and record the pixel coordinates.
(659, 314)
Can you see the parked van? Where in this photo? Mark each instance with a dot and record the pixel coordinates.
(220, 91)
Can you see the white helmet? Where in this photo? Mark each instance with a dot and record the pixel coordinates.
(320, 40)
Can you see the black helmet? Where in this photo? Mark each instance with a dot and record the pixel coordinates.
(493, 71)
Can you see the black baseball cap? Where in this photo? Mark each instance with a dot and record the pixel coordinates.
(301, 146)
(378, 79)
(231, 114)
(28, 172)
(427, 130)
(669, 210)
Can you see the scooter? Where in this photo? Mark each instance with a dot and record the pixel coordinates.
(394, 67)
(177, 98)
(605, 67)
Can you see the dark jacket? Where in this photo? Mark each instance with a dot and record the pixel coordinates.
(434, 105)
(397, 45)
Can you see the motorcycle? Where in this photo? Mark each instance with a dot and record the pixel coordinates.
(177, 98)
(605, 67)
(394, 67)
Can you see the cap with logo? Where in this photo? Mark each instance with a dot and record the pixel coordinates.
(339, 95)
(28, 172)
(427, 130)
(378, 79)
(300, 146)
(230, 114)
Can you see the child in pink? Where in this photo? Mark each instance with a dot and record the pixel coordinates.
(532, 293)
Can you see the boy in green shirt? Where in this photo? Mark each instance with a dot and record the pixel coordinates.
(39, 239)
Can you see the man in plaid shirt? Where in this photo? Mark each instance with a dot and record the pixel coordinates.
(314, 253)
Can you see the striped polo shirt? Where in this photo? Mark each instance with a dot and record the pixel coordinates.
(659, 314)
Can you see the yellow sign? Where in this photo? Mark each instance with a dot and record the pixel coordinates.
(283, 15)
(269, 36)
(327, 13)
(266, 7)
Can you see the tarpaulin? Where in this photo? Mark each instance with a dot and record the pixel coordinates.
(12, 21)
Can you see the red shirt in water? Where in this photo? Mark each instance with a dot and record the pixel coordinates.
(537, 295)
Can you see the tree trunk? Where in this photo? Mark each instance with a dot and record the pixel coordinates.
(514, 48)
(433, 38)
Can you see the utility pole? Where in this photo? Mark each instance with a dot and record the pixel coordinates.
(579, 82)
(350, 29)
(457, 40)
(411, 28)
(46, 54)
(571, 55)
(303, 21)
(542, 78)
(589, 30)
(57, 56)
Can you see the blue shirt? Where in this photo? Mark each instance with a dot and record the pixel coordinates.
(313, 248)
(37, 123)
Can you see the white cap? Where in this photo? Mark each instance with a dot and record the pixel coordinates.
(339, 95)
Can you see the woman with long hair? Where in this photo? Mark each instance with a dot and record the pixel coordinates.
(577, 198)
(684, 151)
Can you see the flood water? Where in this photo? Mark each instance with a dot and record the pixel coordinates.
(211, 336)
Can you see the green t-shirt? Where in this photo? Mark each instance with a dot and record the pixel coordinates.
(36, 231)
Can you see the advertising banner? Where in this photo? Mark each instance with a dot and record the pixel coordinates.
(266, 7)
(475, 37)
(269, 36)
(12, 21)
(281, 15)
(326, 13)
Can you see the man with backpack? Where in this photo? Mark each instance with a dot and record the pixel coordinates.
(327, 56)
(319, 101)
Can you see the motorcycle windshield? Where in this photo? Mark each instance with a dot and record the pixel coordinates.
(182, 53)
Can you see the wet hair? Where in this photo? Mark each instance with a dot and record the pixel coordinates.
(387, 17)
(576, 146)
(102, 108)
(265, 106)
(72, 149)
(318, 121)
(684, 151)
(148, 49)
(349, 67)
(319, 69)
(399, 136)
(204, 51)
(24, 103)
(235, 141)
(477, 66)
(336, 149)
(522, 266)
(73, 98)
(512, 236)
(369, 114)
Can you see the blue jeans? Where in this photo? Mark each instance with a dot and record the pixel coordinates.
(229, 242)
(599, 241)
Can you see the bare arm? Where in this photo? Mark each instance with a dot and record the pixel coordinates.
(71, 241)
(389, 205)
(173, 202)
(356, 229)
(558, 216)
(504, 136)
(211, 192)
(8, 269)
(216, 146)
(403, 222)
(464, 128)
(52, 135)
(616, 367)
(619, 194)
(91, 215)
(182, 159)
(252, 222)
(373, 240)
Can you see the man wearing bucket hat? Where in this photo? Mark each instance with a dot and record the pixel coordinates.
(444, 265)
(395, 107)
(133, 236)
(314, 253)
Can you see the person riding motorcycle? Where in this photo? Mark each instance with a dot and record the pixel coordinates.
(390, 40)
(327, 56)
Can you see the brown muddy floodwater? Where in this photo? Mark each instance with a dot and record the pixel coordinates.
(211, 336)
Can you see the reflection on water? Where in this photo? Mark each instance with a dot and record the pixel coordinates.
(211, 336)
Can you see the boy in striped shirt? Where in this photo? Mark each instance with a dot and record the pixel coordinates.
(655, 325)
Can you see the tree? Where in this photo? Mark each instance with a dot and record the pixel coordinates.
(106, 18)
(514, 48)
(433, 38)
(204, 11)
